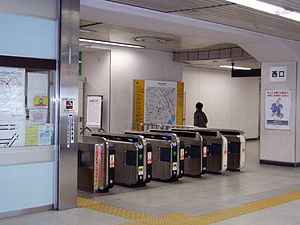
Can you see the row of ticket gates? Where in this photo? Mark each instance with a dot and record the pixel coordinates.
(137, 157)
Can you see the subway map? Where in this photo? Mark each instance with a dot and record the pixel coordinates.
(12, 107)
(12, 84)
(160, 102)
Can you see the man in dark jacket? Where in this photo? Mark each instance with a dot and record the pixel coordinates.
(200, 119)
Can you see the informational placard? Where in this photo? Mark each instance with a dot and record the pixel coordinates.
(46, 134)
(278, 73)
(278, 109)
(12, 93)
(12, 133)
(158, 102)
(37, 91)
(12, 107)
(94, 111)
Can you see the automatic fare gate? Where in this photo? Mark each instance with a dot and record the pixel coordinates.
(168, 160)
(236, 148)
(194, 163)
(95, 164)
(133, 158)
(214, 148)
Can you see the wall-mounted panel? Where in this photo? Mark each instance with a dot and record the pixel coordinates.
(26, 36)
(17, 191)
(39, 8)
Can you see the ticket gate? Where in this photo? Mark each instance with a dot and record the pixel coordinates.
(236, 148)
(96, 166)
(133, 159)
(194, 164)
(214, 148)
(168, 160)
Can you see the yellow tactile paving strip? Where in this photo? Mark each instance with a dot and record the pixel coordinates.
(139, 218)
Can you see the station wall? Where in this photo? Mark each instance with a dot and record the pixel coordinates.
(96, 71)
(228, 102)
(116, 82)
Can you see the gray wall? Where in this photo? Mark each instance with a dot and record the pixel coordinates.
(38, 8)
(122, 66)
(279, 145)
(96, 71)
(228, 102)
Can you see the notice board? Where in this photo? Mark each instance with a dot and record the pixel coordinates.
(158, 102)
(94, 109)
(278, 109)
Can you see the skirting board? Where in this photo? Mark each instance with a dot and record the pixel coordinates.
(276, 163)
(26, 211)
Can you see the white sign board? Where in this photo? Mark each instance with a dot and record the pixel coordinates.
(278, 109)
(94, 111)
(278, 73)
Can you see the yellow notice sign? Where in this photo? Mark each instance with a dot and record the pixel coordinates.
(180, 102)
(32, 135)
(139, 99)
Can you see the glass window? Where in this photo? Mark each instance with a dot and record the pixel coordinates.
(26, 108)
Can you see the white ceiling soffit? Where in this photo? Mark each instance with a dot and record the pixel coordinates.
(150, 39)
(224, 12)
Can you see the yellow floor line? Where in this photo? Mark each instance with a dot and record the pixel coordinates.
(139, 218)
(121, 212)
(250, 207)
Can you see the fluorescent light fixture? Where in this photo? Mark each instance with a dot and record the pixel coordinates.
(268, 8)
(292, 15)
(90, 41)
(235, 67)
(85, 30)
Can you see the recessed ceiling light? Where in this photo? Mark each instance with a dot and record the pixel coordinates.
(268, 8)
(98, 42)
(235, 67)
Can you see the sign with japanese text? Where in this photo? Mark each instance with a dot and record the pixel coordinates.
(278, 73)
(278, 109)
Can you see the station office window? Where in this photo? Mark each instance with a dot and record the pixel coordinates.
(26, 108)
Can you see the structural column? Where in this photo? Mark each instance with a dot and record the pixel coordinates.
(278, 113)
(68, 95)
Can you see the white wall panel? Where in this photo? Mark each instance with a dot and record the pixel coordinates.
(279, 145)
(27, 36)
(26, 186)
(128, 65)
(228, 102)
(96, 70)
(39, 8)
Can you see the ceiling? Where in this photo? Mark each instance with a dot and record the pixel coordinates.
(223, 12)
(164, 42)
(153, 40)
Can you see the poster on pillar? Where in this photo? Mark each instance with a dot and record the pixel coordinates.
(278, 109)
(158, 102)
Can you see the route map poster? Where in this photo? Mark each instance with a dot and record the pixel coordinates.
(158, 102)
(12, 107)
(278, 109)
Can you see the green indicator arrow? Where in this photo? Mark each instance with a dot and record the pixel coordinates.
(141, 156)
(174, 153)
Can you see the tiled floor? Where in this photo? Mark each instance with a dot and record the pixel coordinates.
(192, 196)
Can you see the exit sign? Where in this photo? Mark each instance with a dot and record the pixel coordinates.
(278, 73)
